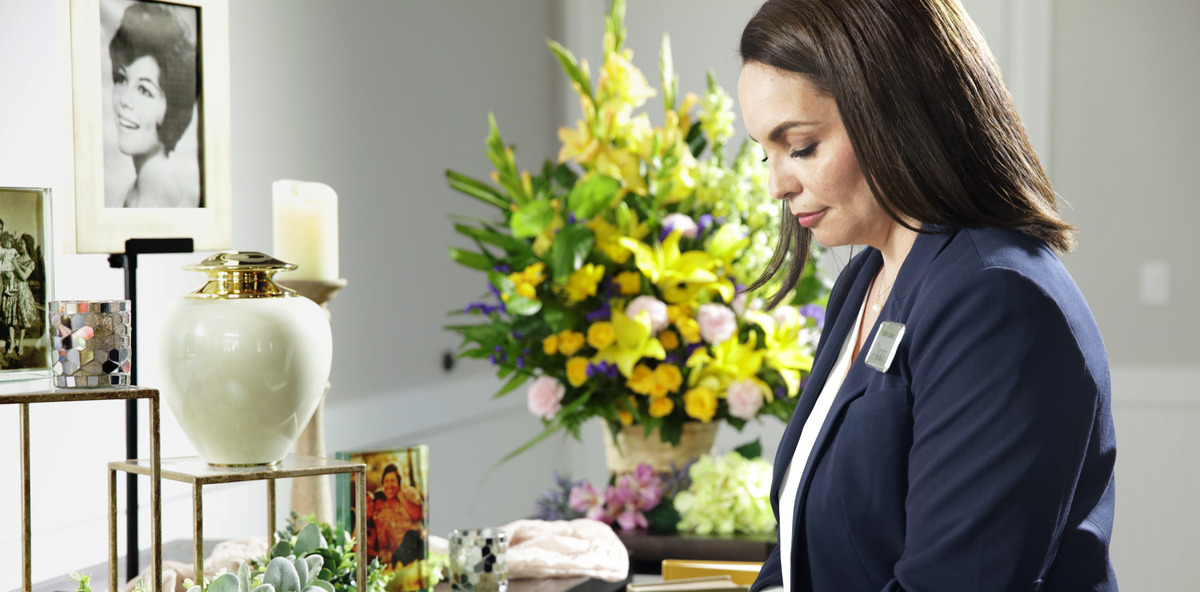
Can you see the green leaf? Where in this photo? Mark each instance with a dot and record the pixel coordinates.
(309, 539)
(486, 333)
(671, 431)
(522, 306)
(554, 426)
(517, 380)
(696, 140)
(323, 585)
(750, 450)
(530, 219)
(663, 517)
(281, 574)
(570, 249)
(492, 237)
(225, 582)
(470, 259)
(281, 549)
(593, 196)
(571, 67)
(476, 189)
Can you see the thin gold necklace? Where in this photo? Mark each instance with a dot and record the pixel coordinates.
(879, 295)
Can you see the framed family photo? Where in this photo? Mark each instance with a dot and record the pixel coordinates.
(397, 511)
(26, 275)
(150, 86)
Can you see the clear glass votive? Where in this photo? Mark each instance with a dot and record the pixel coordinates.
(478, 560)
(92, 342)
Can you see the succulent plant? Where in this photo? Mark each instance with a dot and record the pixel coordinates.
(283, 574)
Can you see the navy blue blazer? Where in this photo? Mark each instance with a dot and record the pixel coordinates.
(983, 458)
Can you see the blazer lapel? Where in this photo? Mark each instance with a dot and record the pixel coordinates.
(832, 339)
(924, 250)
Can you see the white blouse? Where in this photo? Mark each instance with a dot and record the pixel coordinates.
(808, 437)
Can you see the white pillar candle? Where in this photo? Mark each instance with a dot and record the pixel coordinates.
(306, 229)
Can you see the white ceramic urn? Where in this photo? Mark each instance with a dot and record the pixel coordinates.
(245, 361)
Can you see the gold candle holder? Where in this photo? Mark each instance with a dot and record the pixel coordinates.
(312, 495)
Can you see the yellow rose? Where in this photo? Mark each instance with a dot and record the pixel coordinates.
(669, 339)
(630, 282)
(577, 368)
(550, 345)
(700, 403)
(625, 417)
(601, 335)
(570, 342)
(641, 380)
(661, 406)
(669, 376)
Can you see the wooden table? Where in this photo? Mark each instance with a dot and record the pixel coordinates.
(647, 549)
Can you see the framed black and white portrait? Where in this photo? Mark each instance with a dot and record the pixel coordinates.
(150, 83)
(26, 277)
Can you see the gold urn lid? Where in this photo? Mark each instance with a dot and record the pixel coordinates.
(241, 274)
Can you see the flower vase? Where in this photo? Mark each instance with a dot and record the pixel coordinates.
(245, 361)
(632, 446)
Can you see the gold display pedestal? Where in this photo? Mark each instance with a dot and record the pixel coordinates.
(56, 395)
(198, 473)
(312, 495)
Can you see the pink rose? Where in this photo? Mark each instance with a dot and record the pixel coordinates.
(652, 305)
(744, 398)
(717, 322)
(785, 315)
(545, 397)
(682, 224)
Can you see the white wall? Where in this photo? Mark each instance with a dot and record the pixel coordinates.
(378, 97)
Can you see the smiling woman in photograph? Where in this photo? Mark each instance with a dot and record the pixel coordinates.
(956, 431)
(154, 94)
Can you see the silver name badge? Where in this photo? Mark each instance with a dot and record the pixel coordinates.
(883, 348)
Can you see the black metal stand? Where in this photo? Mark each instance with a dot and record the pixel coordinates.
(128, 260)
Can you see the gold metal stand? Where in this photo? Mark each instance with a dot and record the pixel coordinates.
(53, 395)
(311, 495)
(198, 473)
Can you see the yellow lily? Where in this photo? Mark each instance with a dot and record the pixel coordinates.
(783, 349)
(679, 275)
(730, 360)
(633, 342)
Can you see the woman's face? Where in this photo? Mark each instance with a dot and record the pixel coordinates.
(139, 104)
(391, 485)
(812, 165)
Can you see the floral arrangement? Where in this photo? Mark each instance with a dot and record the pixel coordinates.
(614, 275)
(723, 494)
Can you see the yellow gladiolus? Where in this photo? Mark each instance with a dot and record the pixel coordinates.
(700, 403)
(601, 335)
(577, 370)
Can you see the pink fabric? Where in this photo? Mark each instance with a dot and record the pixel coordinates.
(565, 548)
(228, 556)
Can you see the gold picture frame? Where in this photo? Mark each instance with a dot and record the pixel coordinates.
(126, 186)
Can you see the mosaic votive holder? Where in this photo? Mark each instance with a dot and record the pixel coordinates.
(478, 560)
(92, 341)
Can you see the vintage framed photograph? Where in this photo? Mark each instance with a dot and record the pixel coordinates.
(26, 278)
(397, 511)
(150, 86)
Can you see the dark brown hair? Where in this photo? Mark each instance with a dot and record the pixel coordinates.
(158, 31)
(933, 126)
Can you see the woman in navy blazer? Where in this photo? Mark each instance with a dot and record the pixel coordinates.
(956, 432)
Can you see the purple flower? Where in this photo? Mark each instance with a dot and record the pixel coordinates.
(815, 313)
(500, 267)
(600, 314)
(570, 217)
(702, 223)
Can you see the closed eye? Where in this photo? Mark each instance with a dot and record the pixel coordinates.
(806, 151)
